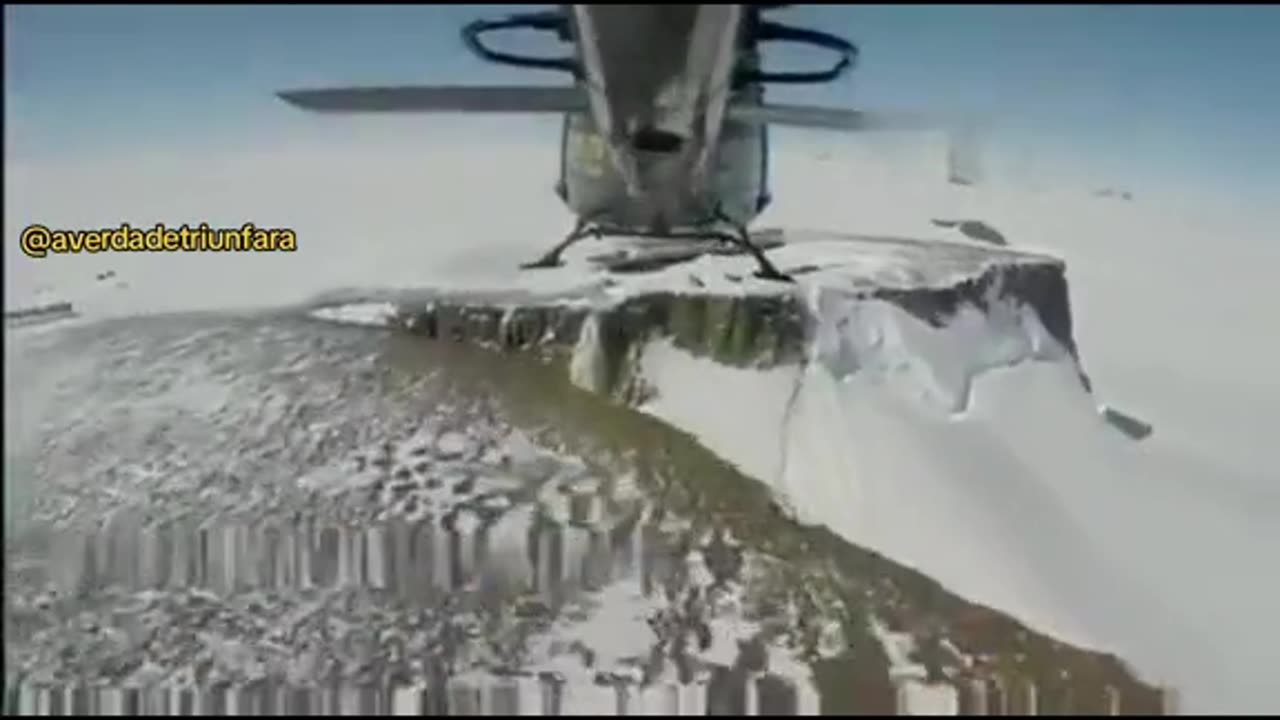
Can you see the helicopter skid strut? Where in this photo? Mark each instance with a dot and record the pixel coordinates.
(739, 238)
(551, 259)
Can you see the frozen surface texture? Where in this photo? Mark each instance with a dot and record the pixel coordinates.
(916, 404)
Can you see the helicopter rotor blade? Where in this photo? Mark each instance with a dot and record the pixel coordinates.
(828, 118)
(439, 99)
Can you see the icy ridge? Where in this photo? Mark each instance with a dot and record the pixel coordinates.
(712, 307)
(922, 321)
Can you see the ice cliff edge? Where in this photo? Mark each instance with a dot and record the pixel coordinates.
(887, 396)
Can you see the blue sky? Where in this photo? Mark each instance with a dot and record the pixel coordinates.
(1174, 94)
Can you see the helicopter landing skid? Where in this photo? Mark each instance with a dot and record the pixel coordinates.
(741, 238)
(698, 243)
(551, 259)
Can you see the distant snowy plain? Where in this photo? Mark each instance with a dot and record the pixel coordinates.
(1020, 497)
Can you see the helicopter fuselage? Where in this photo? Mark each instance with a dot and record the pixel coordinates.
(656, 151)
(665, 125)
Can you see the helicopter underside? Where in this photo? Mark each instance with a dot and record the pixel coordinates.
(665, 120)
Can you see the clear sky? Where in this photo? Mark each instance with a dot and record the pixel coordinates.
(1139, 94)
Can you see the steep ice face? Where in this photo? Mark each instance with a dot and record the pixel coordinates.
(879, 342)
(736, 413)
(586, 367)
(973, 453)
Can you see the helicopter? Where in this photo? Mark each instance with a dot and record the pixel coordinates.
(665, 126)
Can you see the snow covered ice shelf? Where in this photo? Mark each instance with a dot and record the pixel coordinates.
(1198, 540)
(925, 400)
(379, 509)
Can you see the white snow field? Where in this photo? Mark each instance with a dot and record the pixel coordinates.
(970, 452)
